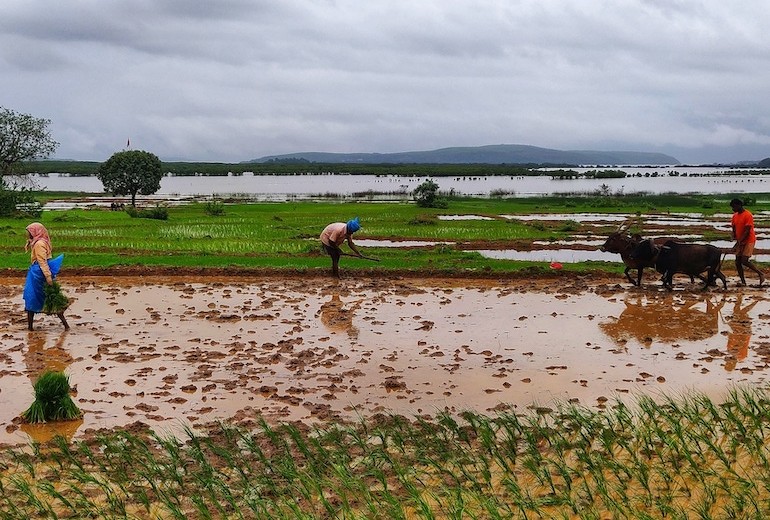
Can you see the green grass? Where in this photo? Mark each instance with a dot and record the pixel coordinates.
(285, 235)
(257, 235)
(688, 457)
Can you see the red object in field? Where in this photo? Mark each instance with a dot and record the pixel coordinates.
(556, 265)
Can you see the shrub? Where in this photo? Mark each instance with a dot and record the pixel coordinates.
(499, 193)
(157, 213)
(570, 225)
(426, 195)
(214, 208)
(19, 202)
(424, 220)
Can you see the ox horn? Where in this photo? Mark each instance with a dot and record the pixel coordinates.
(624, 226)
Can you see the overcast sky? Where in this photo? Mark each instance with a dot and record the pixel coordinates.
(233, 80)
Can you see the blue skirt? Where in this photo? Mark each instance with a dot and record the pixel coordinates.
(34, 287)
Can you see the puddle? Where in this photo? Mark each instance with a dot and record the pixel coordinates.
(552, 255)
(577, 242)
(176, 354)
(577, 217)
(653, 225)
(464, 217)
(728, 244)
(567, 255)
(365, 242)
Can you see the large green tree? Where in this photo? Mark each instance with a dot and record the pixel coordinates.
(23, 138)
(131, 172)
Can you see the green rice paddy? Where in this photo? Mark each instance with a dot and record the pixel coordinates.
(685, 458)
(286, 234)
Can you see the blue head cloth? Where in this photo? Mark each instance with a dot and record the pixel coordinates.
(353, 225)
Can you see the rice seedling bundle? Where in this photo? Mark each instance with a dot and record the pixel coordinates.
(52, 400)
(55, 300)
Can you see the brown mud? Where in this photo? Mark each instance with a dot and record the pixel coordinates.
(170, 349)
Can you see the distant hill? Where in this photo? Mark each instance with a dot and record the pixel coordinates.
(491, 154)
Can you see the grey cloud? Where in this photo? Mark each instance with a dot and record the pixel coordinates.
(236, 79)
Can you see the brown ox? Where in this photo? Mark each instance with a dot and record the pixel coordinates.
(678, 257)
(624, 244)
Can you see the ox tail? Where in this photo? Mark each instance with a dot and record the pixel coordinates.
(724, 254)
(721, 260)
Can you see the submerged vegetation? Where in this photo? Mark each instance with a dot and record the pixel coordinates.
(682, 458)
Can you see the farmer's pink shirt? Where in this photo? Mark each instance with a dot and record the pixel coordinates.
(334, 234)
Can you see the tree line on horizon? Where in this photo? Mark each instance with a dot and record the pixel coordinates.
(91, 168)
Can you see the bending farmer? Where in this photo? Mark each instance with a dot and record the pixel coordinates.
(332, 238)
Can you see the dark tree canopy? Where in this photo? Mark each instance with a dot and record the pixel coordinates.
(23, 138)
(131, 172)
(426, 195)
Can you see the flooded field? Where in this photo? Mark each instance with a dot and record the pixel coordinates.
(172, 352)
(590, 233)
(285, 187)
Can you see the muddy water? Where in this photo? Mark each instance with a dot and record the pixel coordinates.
(174, 354)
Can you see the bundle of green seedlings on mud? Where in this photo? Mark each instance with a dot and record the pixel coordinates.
(52, 400)
(681, 459)
(55, 300)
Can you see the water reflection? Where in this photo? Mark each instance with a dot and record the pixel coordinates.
(739, 337)
(45, 432)
(666, 319)
(40, 357)
(338, 318)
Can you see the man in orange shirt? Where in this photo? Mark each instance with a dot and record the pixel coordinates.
(745, 238)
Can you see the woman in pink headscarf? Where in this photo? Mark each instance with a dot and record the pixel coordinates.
(42, 271)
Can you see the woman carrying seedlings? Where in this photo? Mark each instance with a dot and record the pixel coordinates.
(332, 238)
(41, 274)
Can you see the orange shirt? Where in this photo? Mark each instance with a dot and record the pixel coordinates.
(740, 221)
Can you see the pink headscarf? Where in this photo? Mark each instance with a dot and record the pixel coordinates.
(37, 232)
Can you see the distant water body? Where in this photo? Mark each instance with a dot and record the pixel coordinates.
(281, 187)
